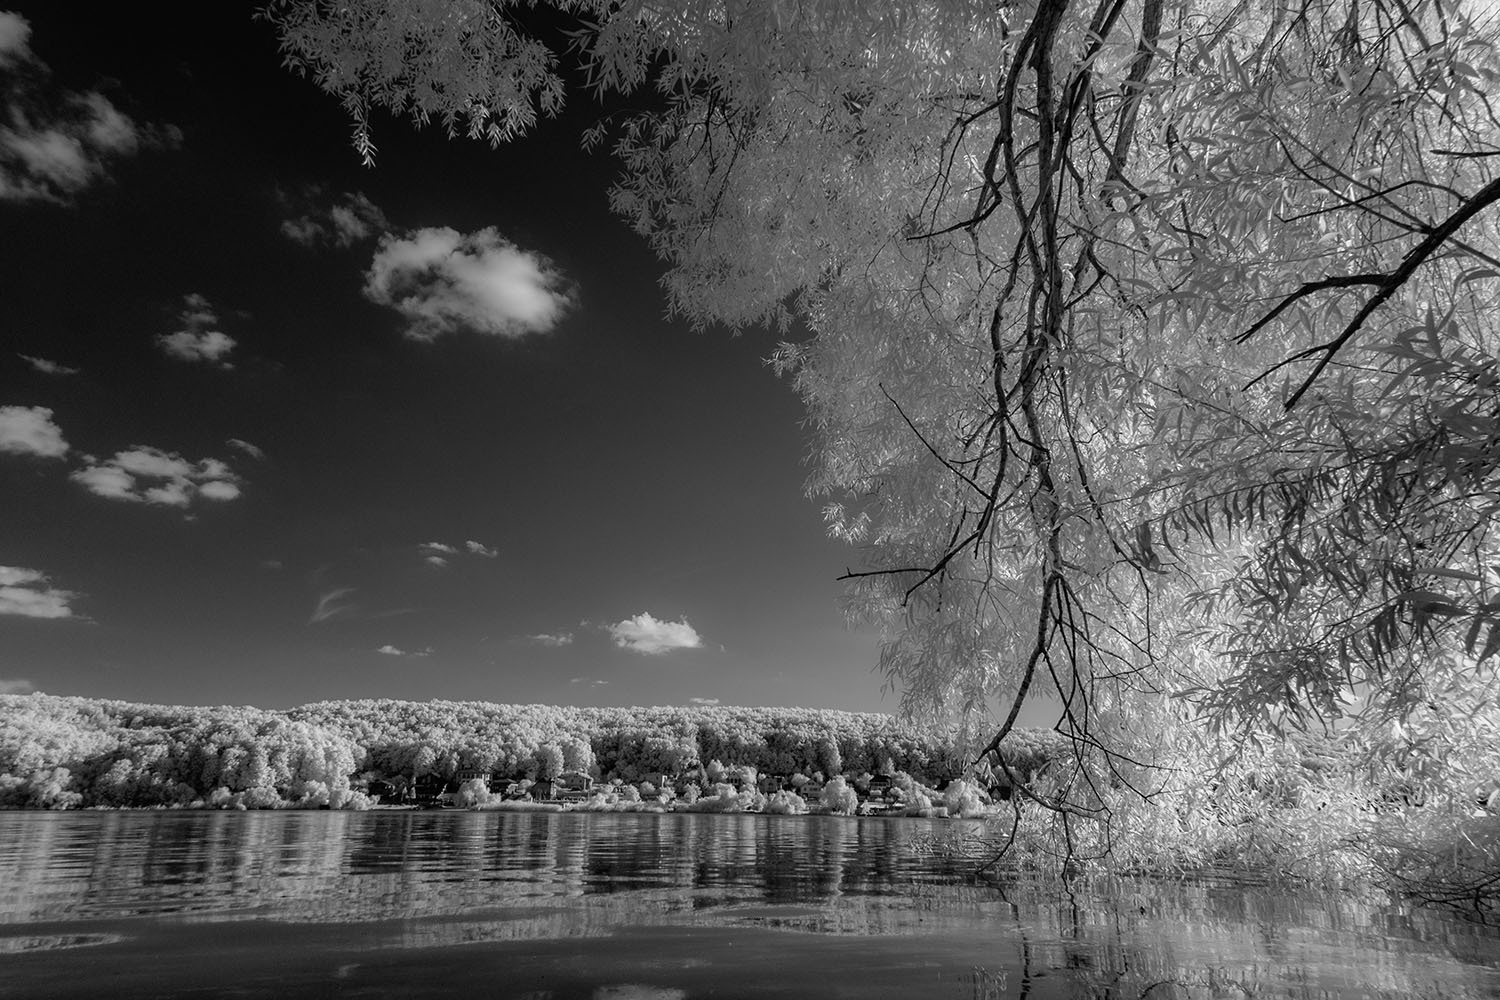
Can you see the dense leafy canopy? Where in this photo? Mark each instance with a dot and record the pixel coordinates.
(1149, 345)
(60, 752)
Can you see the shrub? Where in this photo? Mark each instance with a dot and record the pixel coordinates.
(472, 793)
(962, 799)
(786, 804)
(259, 797)
(838, 798)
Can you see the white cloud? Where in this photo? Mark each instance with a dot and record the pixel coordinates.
(390, 650)
(29, 430)
(17, 685)
(107, 481)
(44, 365)
(442, 281)
(651, 636)
(149, 475)
(25, 592)
(247, 448)
(438, 553)
(197, 340)
(331, 604)
(153, 463)
(219, 489)
(341, 221)
(552, 639)
(53, 145)
(704, 701)
(15, 35)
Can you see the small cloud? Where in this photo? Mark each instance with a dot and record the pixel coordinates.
(25, 592)
(219, 489)
(551, 639)
(390, 650)
(331, 604)
(653, 637)
(479, 549)
(19, 685)
(585, 680)
(439, 547)
(43, 365)
(272, 564)
(341, 221)
(247, 448)
(704, 701)
(55, 143)
(198, 339)
(149, 475)
(436, 561)
(442, 281)
(29, 430)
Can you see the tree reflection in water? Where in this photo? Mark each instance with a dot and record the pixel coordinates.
(770, 903)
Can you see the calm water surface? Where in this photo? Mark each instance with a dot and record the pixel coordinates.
(549, 906)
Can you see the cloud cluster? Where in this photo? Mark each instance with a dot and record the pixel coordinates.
(653, 637)
(25, 592)
(437, 553)
(153, 476)
(198, 337)
(53, 144)
(442, 281)
(16, 685)
(341, 221)
(29, 430)
(47, 366)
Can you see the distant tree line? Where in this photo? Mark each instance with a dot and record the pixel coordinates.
(60, 752)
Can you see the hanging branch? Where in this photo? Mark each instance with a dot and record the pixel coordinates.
(1385, 286)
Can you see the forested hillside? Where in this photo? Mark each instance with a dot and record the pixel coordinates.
(60, 752)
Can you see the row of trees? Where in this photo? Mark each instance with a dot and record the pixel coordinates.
(61, 752)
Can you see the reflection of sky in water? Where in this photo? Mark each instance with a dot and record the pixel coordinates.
(633, 991)
(401, 882)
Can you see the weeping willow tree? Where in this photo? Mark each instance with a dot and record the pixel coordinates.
(1148, 345)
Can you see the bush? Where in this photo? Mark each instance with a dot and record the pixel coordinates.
(473, 793)
(962, 799)
(310, 794)
(786, 804)
(838, 798)
(259, 797)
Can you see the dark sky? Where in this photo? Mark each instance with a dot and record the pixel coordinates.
(275, 427)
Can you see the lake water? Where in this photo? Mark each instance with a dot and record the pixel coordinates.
(549, 906)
